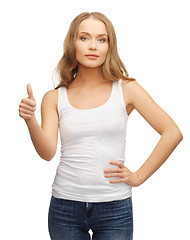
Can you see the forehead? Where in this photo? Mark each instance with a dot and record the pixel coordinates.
(92, 26)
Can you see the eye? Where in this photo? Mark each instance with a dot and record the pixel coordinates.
(83, 38)
(102, 40)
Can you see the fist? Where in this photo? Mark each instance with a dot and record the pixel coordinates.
(27, 106)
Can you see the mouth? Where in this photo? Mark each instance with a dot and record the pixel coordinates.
(92, 55)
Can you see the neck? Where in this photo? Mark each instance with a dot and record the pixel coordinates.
(89, 77)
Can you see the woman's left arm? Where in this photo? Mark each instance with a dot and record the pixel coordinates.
(171, 136)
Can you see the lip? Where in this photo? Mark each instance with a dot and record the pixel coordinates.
(92, 55)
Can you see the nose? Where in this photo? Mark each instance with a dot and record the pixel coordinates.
(92, 45)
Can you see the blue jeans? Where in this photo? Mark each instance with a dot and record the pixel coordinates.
(71, 220)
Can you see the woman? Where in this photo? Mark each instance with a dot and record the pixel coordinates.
(90, 107)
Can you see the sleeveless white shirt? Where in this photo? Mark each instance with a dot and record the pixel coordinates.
(90, 139)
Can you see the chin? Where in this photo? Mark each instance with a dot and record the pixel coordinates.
(92, 65)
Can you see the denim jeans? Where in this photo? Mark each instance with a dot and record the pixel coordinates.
(71, 220)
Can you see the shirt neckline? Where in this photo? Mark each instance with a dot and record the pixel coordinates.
(90, 109)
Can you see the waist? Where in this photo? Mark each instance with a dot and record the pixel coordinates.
(86, 170)
(87, 184)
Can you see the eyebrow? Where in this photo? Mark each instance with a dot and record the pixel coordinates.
(103, 34)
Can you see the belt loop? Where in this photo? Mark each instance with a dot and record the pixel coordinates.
(86, 204)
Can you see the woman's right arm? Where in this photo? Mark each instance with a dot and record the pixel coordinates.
(44, 137)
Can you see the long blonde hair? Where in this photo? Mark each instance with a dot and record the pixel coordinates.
(113, 68)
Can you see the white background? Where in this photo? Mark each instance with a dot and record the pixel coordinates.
(153, 42)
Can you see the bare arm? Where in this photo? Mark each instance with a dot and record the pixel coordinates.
(161, 122)
(171, 136)
(44, 137)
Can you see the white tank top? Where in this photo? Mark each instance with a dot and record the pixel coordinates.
(90, 139)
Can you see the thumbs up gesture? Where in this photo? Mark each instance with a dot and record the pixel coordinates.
(27, 106)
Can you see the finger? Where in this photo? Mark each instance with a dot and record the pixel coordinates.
(112, 170)
(30, 92)
(117, 163)
(113, 175)
(28, 101)
(25, 111)
(25, 116)
(117, 181)
(27, 107)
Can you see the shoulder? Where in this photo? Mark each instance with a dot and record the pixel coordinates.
(51, 95)
(51, 98)
(133, 91)
(129, 85)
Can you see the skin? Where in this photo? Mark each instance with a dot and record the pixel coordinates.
(92, 39)
(89, 81)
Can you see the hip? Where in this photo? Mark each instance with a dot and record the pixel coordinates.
(113, 217)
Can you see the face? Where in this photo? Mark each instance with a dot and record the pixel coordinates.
(92, 43)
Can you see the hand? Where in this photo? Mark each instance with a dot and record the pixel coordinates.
(27, 106)
(128, 177)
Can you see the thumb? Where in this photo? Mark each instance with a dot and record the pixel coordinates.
(30, 92)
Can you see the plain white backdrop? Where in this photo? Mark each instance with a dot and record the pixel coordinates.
(153, 42)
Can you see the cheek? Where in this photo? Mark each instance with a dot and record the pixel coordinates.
(80, 50)
(105, 51)
(77, 49)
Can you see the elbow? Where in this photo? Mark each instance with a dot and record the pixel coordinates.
(179, 135)
(48, 159)
(48, 156)
(176, 134)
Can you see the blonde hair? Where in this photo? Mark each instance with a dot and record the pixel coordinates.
(113, 68)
